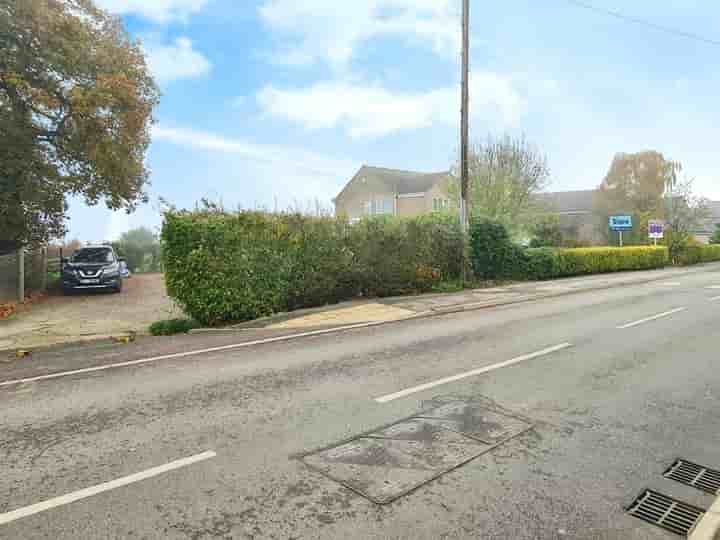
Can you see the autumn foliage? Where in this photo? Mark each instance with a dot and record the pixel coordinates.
(76, 105)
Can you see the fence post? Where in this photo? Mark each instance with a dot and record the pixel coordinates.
(44, 269)
(21, 274)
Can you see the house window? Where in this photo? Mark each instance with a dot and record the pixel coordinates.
(378, 207)
(440, 204)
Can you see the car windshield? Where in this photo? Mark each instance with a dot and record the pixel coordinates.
(93, 255)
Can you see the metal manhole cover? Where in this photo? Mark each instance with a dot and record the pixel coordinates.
(665, 512)
(694, 475)
(387, 463)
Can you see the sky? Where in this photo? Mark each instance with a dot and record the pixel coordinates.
(276, 103)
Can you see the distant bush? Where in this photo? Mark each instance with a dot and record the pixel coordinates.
(598, 260)
(697, 254)
(546, 232)
(547, 263)
(223, 267)
(172, 327)
(141, 250)
(715, 238)
(494, 256)
(541, 263)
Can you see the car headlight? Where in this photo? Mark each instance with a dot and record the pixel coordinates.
(112, 270)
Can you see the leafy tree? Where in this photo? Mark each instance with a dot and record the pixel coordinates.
(141, 248)
(505, 173)
(76, 103)
(685, 214)
(636, 184)
(546, 232)
(715, 239)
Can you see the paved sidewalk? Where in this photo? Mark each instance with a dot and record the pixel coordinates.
(374, 312)
(76, 319)
(398, 308)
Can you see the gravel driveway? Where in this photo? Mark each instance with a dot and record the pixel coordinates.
(62, 319)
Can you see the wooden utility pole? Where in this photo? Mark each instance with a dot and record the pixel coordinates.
(465, 117)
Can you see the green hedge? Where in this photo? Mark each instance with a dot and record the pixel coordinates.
(697, 255)
(547, 263)
(541, 264)
(223, 267)
(598, 260)
(494, 256)
(492, 253)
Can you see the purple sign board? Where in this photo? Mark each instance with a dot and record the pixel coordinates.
(656, 230)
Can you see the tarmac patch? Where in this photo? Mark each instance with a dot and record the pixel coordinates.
(386, 463)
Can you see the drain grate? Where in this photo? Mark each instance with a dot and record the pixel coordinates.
(670, 514)
(694, 475)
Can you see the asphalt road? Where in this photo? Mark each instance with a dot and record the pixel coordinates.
(204, 446)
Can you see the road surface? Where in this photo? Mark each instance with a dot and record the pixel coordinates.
(616, 384)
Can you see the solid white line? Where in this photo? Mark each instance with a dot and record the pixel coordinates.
(715, 299)
(21, 513)
(191, 353)
(474, 372)
(650, 319)
(713, 287)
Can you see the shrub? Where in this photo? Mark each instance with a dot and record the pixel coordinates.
(542, 263)
(715, 238)
(492, 253)
(546, 232)
(396, 256)
(580, 261)
(223, 267)
(494, 256)
(697, 254)
(172, 327)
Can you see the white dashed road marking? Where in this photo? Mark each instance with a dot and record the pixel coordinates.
(21, 513)
(187, 354)
(653, 318)
(480, 371)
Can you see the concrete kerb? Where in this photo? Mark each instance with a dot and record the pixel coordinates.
(445, 310)
(709, 526)
(431, 312)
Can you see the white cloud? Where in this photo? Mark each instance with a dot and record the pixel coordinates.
(159, 11)
(240, 172)
(330, 31)
(373, 111)
(298, 158)
(178, 60)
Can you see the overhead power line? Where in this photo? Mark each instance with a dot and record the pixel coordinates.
(644, 22)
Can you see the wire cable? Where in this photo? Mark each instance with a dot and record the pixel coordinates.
(644, 22)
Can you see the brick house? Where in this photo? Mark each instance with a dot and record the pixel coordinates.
(707, 229)
(379, 191)
(578, 219)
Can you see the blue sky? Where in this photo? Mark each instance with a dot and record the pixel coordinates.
(278, 102)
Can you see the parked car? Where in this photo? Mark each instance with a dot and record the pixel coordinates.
(92, 267)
